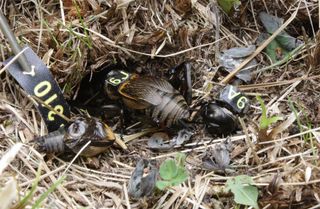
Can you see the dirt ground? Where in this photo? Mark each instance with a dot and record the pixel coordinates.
(79, 40)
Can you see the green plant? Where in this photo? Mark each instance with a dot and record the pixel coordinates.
(307, 137)
(28, 198)
(86, 38)
(173, 172)
(25, 200)
(244, 192)
(38, 202)
(227, 5)
(265, 122)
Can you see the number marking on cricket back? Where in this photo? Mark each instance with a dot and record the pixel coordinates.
(118, 77)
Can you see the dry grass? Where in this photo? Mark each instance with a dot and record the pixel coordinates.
(78, 40)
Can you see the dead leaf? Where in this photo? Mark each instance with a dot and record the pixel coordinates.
(182, 6)
(159, 141)
(79, 198)
(67, 3)
(206, 12)
(267, 135)
(275, 184)
(143, 179)
(314, 58)
(283, 126)
(92, 162)
(298, 193)
(308, 174)
(94, 5)
(28, 134)
(115, 198)
(275, 152)
(75, 9)
(47, 56)
(317, 136)
(183, 136)
(238, 150)
(318, 111)
(183, 37)
(218, 158)
(230, 59)
(153, 38)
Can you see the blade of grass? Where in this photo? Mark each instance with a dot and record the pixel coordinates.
(307, 138)
(46, 194)
(294, 110)
(87, 37)
(27, 198)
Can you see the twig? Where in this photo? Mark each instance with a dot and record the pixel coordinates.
(49, 107)
(62, 13)
(12, 61)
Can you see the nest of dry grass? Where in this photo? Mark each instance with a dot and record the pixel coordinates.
(82, 37)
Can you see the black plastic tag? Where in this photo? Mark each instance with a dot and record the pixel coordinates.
(117, 77)
(41, 84)
(234, 99)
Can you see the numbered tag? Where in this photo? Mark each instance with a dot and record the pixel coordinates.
(234, 99)
(41, 84)
(115, 78)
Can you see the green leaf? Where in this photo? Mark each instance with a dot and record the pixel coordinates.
(181, 176)
(173, 172)
(248, 195)
(265, 122)
(244, 193)
(227, 5)
(163, 184)
(168, 169)
(180, 159)
(284, 41)
(268, 121)
(275, 51)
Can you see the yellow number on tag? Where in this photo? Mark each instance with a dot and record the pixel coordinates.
(42, 88)
(115, 81)
(57, 108)
(241, 103)
(126, 75)
(50, 99)
(232, 94)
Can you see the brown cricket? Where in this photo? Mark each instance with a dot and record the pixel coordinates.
(160, 100)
